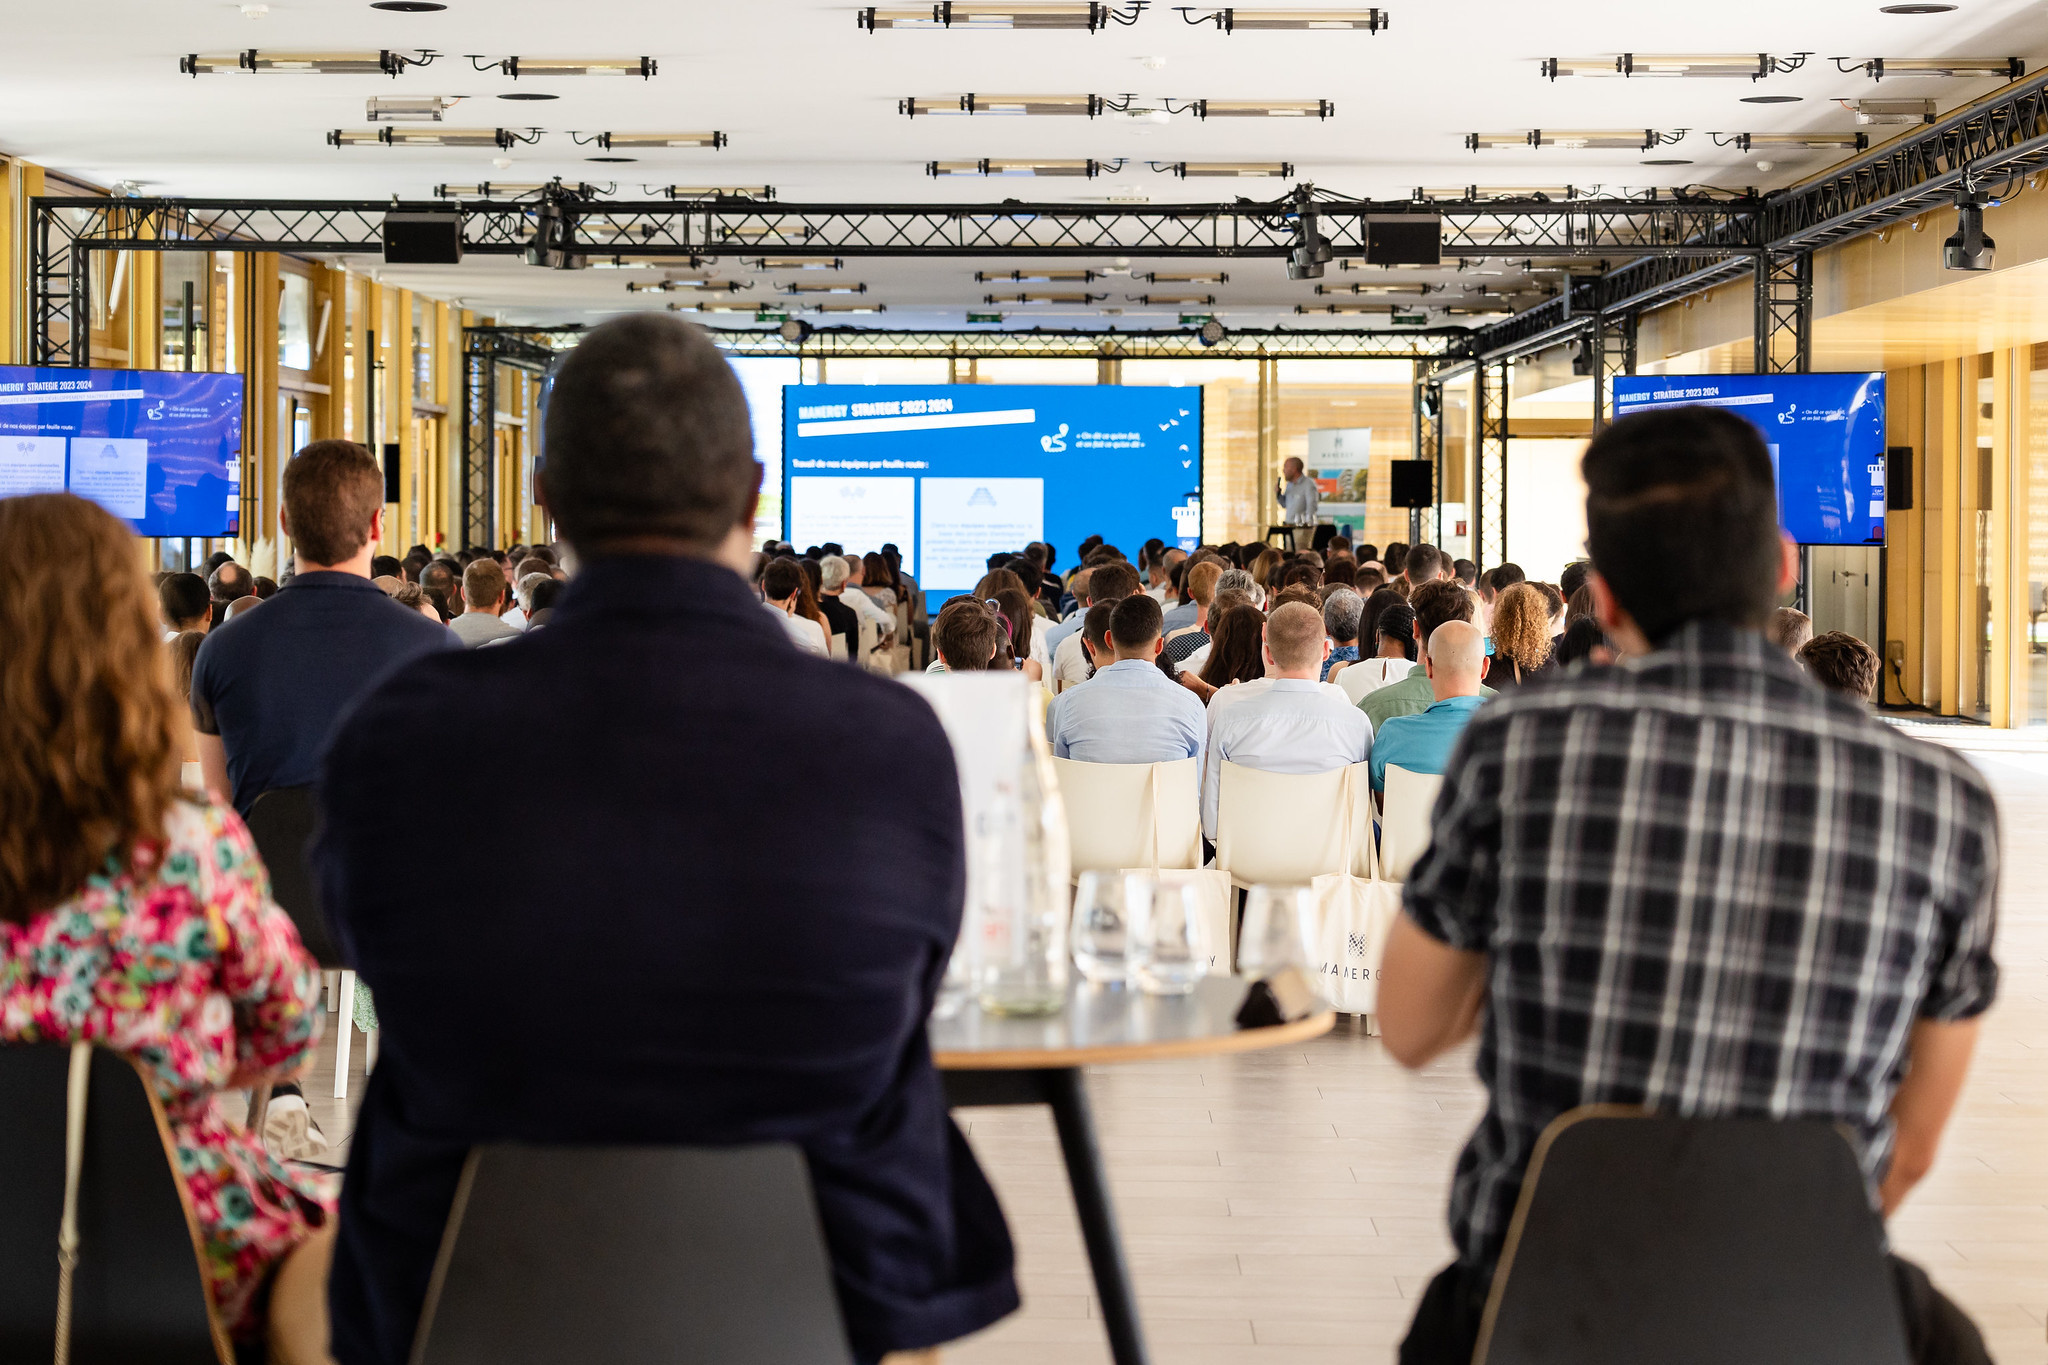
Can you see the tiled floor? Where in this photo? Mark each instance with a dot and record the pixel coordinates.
(1288, 1206)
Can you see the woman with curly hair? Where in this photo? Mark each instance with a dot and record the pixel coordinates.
(1521, 636)
(134, 913)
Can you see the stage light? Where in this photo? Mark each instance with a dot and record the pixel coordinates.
(1968, 248)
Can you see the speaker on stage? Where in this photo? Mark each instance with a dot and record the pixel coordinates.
(1413, 483)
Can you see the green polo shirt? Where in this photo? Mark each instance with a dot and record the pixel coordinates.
(1409, 697)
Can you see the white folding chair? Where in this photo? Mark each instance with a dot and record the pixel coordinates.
(904, 658)
(1113, 821)
(869, 635)
(1404, 819)
(341, 1003)
(1289, 827)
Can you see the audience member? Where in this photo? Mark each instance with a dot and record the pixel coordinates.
(967, 637)
(1456, 665)
(1841, 663)
(1394, 559)
(781, 591)
(266, 691)
(1342, 611)
(410, 595)
(1342, 570)
(842, 621)
(1109, 582)
(241, 606)
(1129, 712)
(1573, 578)
(1019, 619)
(1379, 601)
(1202, 578)
(262, 586)
(864, 605)
(1521, 635)
(183, 604)
(437, 582)
(1095, 636)
(1583, 820)
(1425, 564)
(542, 597)
(386, 566)
(1498, 580)
(1553, 607)
(729, 992)
(1465, 573)
(1235, 655)
(1789, 630)
(879, 583)
(1583, 640)
(1433, 605)
(184, 653)
(484, 602)
(1393, 657)
(225, 584)
(1294, 725)
(135, 915)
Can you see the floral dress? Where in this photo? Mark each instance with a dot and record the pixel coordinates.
(189, 967)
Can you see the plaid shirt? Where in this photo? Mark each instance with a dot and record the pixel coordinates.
(1705, 886)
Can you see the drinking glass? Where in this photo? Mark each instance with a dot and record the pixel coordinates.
(1102, 924)
(1169, 945)
(1275, 935)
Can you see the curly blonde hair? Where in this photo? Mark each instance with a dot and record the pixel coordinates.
(1521, 628)
(89, 756)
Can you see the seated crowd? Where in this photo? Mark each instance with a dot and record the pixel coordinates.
(705, 987)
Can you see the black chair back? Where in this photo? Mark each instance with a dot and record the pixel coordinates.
(281, 822)
(633, 1256)
(1692, 1242)
(137, 1293)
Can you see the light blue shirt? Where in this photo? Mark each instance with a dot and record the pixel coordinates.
(1293, 726)
(1056, 633)
(1178, 616)
(1421, 743)
(1129, 712)
(1299, 501)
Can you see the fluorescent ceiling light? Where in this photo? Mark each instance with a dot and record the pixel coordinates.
(1317, 109)
(836, 287)
(1870, 112)
(1748, 65)
(685, 282)
(381, 63)
(390, 136)
(1235, 20)
(1174, 300)
(1002, 166)
(1994, 68)
(1044, 297)
(1228, 170)
(1087, 106)
(1363, 288)
(408, 109)
(1500, 192)
(515, 67)
(794, 263)
(761, 232)
(1631, 139)
(716, 192)
(848, 307)
(490, 189)
(1040, 276)
(1820, 142)
(1184, 277)
(614, 141)
(1344, 309)
(948, 14)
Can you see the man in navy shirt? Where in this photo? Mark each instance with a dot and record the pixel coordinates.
(702, 980)
(268, 686)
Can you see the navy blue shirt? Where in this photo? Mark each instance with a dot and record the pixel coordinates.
(701, 960)
(273, 681)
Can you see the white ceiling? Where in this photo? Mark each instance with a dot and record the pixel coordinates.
(808, 101)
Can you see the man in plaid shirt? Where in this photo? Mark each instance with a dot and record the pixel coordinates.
(1694, 881)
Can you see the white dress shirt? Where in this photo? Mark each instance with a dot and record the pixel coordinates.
(1280, 725)
(1299, 502)
(1363, 677)
(1129, 712)
(1069, 663)
(515, 617)
(864, 605)
(806, 634)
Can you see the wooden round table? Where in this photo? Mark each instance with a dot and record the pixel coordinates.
(991, 1059)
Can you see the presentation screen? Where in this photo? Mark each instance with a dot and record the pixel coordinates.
(159, 448)
(1825, 431)
(953, 473)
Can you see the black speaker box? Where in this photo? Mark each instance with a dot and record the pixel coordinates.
(1898, 478)
(391, 471)
(1413, 483)
(422, 239)
(1404, 239)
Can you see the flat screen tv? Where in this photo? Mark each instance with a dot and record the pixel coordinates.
(161, 449)
(1825, 432)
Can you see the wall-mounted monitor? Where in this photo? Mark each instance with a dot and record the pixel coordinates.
(1825, 432)
(160, 449)
(952, 473)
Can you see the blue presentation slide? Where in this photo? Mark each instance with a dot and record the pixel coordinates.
(159, 448)
(1825, 431)
(953, 473)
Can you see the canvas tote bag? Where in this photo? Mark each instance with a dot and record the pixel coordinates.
(1355, 913)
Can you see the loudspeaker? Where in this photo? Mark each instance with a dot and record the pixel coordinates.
(1404, 239)
(422, 239)
(1414, 483)
(391, 471)
(1898, 478)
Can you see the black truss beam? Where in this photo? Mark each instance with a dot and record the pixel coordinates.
(484, 349)
(1423, 344)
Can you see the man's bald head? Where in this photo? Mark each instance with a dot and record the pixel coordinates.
(1457, 659)
(1294, 637)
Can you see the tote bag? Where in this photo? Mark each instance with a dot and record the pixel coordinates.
(1354, 916)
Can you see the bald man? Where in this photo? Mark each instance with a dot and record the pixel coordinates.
(1295, 723)
(1422, 743)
